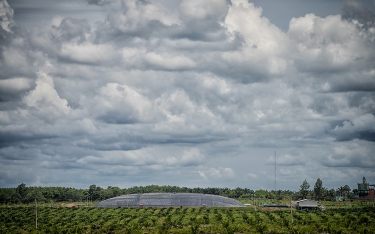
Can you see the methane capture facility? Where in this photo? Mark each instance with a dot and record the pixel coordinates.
(169, 199)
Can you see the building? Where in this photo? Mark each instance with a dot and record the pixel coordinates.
(169, 199)
(365, 189)
(307, 204)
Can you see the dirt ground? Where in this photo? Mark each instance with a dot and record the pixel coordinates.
(71, 204)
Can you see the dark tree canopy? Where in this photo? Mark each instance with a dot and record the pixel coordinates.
(318, 188)
(304, 188)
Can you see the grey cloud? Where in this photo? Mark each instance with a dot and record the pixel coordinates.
(204, 10)
(12, 138)
(19, 154)
(352, 81)
(195, 30)
(14, 89)
(70, 41)
(121, 26)
(367, 135)
(51, 38)
(116, 117)
(98, 2)
(6, 16)
(70, 28)
(113, 142)
(158, 94)
(361, 127)
(324, 104)
(353, 154)
(16, 58)
(288, 160)
(363, 100)
(117, 29)
(133, 21)
(355, 10)
(16, 53)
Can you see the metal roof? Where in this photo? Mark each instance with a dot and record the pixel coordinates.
(169, 199)
(307, 203)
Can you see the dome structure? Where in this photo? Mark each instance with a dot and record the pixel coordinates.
(169, 199)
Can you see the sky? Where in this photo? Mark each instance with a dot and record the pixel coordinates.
(187, 93)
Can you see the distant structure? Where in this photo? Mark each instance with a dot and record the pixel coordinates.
(364, 188)
(169, 199)
(307, 204)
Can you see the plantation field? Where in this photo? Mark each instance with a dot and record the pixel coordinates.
(21, 219)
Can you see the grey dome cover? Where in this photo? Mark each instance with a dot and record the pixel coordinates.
(169, 199)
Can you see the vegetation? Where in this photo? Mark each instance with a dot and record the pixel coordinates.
(21, 219)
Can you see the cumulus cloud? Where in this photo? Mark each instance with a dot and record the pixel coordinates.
(261, 54)
(140, 19)
(45, 100)
(200, 94)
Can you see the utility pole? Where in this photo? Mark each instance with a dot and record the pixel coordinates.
(291, 210)
(255, 203)
(36, 214)
(275, 177)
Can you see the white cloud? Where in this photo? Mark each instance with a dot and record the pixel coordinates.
(221, 173)
(88, 53)
(45, 98)
(264, 50)
(326, 44)
(168, 62)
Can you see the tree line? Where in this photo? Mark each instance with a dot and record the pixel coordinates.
(320, 192)
(25, 194)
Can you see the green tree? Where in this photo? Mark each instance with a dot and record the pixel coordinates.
(34, 194)
(346, 189)
(331, 194)
(261, 193)
(96, 192)
(16, 198)
(318, 188)
(304, 188)
(22, 191)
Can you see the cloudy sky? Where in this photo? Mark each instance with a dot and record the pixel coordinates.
(187, 92)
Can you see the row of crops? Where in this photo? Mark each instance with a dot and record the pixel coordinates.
(183, 220)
